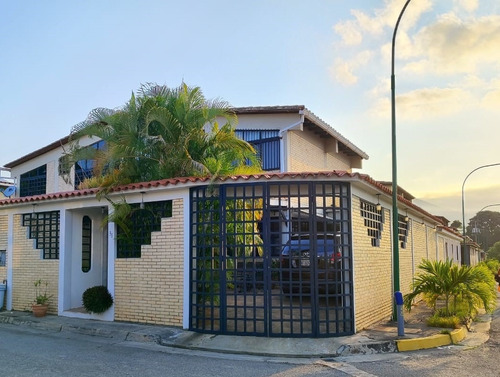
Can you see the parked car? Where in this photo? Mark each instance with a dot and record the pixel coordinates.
(304, 255)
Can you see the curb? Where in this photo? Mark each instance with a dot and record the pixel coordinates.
(432, 341)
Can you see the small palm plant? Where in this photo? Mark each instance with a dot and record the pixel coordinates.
(473, 286)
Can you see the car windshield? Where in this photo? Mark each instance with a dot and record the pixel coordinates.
(299, 245)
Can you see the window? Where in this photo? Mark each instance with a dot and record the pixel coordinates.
(402, 230)
(267, 145)
(85, 168)
(373, 221)
(44, 229)
(140, 223)
(86, 243)
(34, 182)
(2, 258)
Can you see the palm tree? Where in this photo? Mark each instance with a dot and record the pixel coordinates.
(443, 279)
(164, 133)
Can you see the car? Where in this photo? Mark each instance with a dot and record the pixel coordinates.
(302, 256)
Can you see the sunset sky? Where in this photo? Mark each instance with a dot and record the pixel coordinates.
(61, 59)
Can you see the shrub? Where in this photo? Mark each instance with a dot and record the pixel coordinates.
(97, 299)
(452, 322)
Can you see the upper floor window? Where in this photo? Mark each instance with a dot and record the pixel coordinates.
(267, 145)
(33, 182)
(2, 259)
(85, 168)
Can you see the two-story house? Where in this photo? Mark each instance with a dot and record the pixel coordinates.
(218, 256)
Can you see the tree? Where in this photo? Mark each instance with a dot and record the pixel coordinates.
(494, 251)
(163, 133)
(456, 224)
(485, 228)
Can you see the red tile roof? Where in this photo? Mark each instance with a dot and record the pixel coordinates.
(363, 178)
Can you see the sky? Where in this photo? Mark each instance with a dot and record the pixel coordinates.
(61, 59)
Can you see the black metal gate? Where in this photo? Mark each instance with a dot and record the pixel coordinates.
(271, 259)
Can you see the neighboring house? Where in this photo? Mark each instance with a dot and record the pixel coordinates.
(195, 263)
(292, 138)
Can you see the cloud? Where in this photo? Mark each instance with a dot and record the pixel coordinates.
(342, 71)
(349, 33)
(491, 100)
(352, 31)
(468, 5)
(426, 103)
(451, 45)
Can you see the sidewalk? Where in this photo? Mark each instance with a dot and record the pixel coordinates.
(381, 338)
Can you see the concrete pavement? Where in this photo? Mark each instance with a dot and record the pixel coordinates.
(381, 338)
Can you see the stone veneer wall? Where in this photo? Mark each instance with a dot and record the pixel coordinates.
(150, 289)
(27, 267)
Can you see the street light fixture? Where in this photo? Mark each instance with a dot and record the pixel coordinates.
(395, 215)
(488, 206)
(463, 203)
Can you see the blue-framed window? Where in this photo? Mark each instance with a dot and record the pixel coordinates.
(85, 168)
(135, 230)
(34, 182)
(267, 145)
(44, 229)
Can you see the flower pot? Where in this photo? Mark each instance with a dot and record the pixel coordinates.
(39, 310)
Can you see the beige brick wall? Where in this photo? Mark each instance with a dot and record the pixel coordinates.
(372, 271)
(406, 263)
(27, 267)
(150, 289)
(309, 153)
(373, 285)
(4, 222)
(431, 242)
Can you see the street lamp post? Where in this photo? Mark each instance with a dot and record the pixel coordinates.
(463, 204)
(395, 214)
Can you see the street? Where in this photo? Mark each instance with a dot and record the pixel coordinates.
(26, 351)
(440, 362)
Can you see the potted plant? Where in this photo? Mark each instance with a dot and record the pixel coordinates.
(41, 302)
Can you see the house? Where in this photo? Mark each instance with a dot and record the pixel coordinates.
(209, 255)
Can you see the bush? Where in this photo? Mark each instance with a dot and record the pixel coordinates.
(452, 322)
(97, 299)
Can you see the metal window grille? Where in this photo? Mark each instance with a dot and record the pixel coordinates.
(267, 145)
(403, 231)
(137, 227)
(373, 220)
(242, 282)
(86, 243)
(44, 229)
(34, 182)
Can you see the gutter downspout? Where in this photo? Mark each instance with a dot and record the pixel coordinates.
(282, 144)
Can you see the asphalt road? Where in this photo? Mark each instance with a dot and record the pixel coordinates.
(28, 352)
(450, 361)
